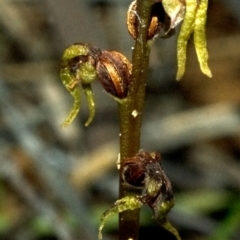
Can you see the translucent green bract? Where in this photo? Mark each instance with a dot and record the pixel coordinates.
(126, 203)
(68, 81)
(91, 104)
(200, 37)
(184, 35)
(194, 22)
(160, 216)
(169, 227)
(133, 202)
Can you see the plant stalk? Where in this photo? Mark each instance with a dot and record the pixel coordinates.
(131, 112)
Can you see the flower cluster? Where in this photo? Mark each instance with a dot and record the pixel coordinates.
(193, 13)
(145, 171)
(83, 63)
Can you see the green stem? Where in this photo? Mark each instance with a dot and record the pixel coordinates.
(131, 111)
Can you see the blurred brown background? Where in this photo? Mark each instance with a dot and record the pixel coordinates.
(55, 183)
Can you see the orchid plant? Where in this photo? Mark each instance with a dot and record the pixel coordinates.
(125, 81)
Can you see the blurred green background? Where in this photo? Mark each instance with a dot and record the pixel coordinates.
(55, 183)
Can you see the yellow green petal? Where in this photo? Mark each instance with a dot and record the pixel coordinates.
(184, 34)
(200, 37)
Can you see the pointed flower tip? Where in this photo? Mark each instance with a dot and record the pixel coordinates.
(209, 75)
(65, 124)
(88, 123)
(179, 76)
(207, 72)
(99, 235)
(90, 119)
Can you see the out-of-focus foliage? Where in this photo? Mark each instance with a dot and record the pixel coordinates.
(54, 180)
